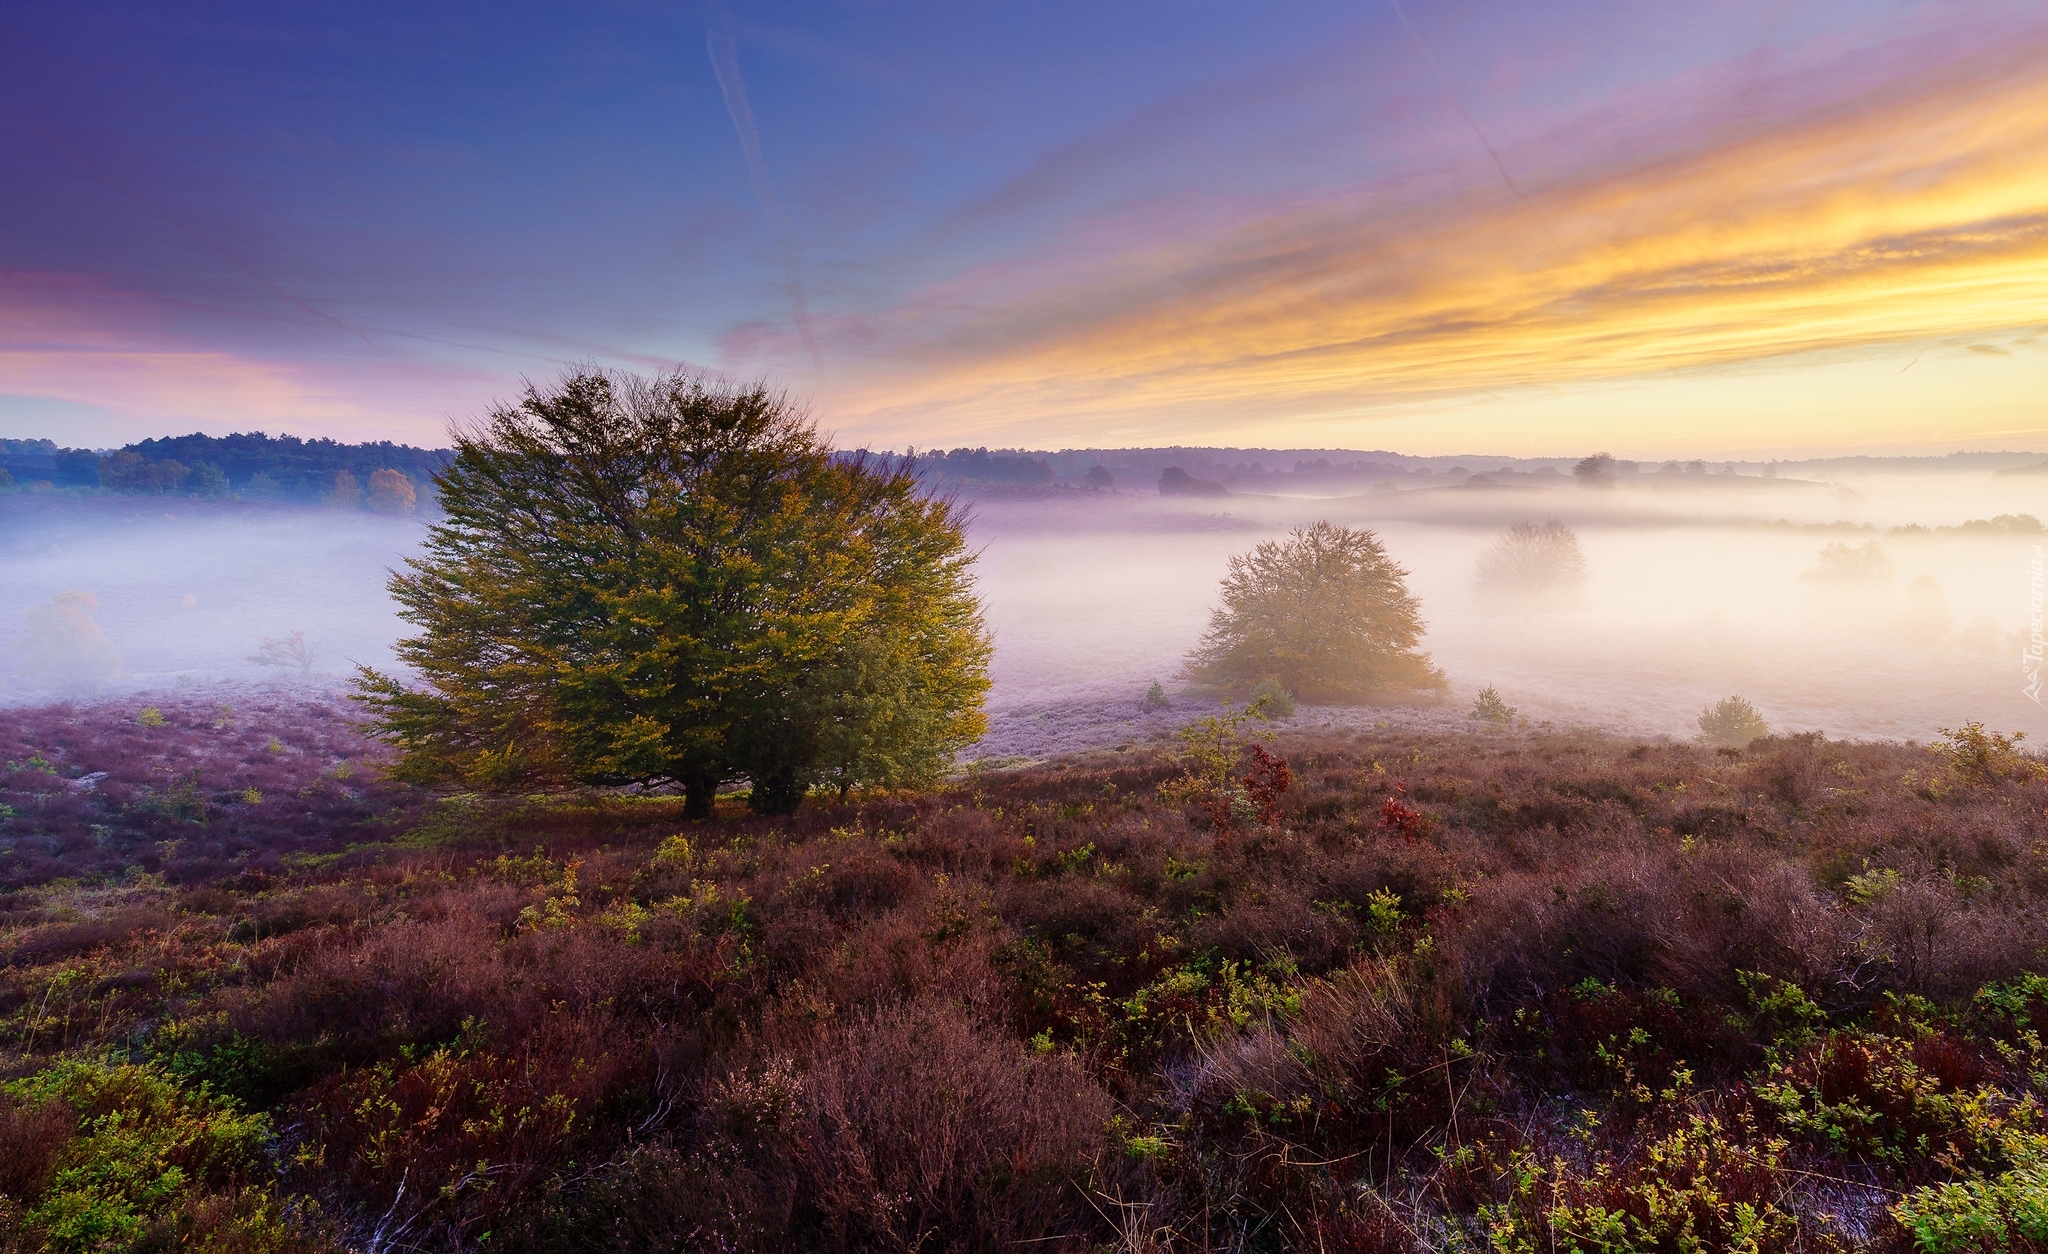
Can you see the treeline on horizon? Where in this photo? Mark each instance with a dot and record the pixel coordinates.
(252, 466)
(257, 466)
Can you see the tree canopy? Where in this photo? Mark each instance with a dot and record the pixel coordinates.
(668, 583)
(1326, 612)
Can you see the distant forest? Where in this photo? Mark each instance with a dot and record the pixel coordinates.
(252, 466)
(287, 468)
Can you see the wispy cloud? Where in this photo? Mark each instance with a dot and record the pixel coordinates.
(1909, 210)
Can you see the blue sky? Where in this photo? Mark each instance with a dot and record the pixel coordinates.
(1510, 227)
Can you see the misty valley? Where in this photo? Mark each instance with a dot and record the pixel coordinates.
(1661, 869)
(1696, 585)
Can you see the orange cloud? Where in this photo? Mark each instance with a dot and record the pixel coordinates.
(1919, 212)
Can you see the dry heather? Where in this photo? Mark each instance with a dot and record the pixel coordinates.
(1375, 992)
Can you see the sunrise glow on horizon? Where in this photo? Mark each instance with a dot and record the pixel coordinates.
(1732, 231)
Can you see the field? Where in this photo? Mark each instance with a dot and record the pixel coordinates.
(1377, 989)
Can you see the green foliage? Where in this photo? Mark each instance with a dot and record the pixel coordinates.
(141, 1148)
(1489, 708)
(1732, 723)
(1987, 757)
(1210, 749)
(1155, 696)
(659, 582)
(1982, 1213)
(1712, 1183)
(150, 717)
(1326, 613)
(1274, 697)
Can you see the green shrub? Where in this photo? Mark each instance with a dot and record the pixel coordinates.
(1732, 723)
(1279, 703)
(1980, 1213)
(1488, 707)
(1984, 757)
(143, 1153)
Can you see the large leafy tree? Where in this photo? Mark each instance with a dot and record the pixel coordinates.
(666, 583)
(1326, 612)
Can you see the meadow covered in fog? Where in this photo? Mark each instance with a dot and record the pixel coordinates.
(1698, 586)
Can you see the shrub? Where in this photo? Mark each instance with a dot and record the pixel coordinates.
(1155, 696)
(2004, 1212)
(1272, 696)
(139, 1151)
(1987, 757)
(1489, 707)
(1326, 613)
(1732, 723)
(923, 1126)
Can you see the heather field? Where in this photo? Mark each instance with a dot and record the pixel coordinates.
(1258, 987)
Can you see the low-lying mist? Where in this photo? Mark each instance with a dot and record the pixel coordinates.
(1880, 606)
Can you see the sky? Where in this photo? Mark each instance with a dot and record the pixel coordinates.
(1729, 228)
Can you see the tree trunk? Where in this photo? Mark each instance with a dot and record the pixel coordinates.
(698, 795)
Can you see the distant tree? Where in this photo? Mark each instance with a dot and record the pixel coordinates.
(292, 650)
(1732, 723)
(666, 583)
(1596, 471)
(1531, 566)
(390, 493)
(344, 491)
(1325, 612)
(129, 471)
(1175, 481)
(65, 649)
(1840, 565)
(6, 480)
(1099, 479)
(207, 480)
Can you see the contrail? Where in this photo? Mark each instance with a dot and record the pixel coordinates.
(725, 65)
(1443, 85)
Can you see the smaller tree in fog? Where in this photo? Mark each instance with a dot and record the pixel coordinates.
(65, 650)
(289, 651)
(345, 491)
(1842, 566)
(1596, 471)
(1533, 565)
(390, 493)
(1326, 613)
(1732, 723)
